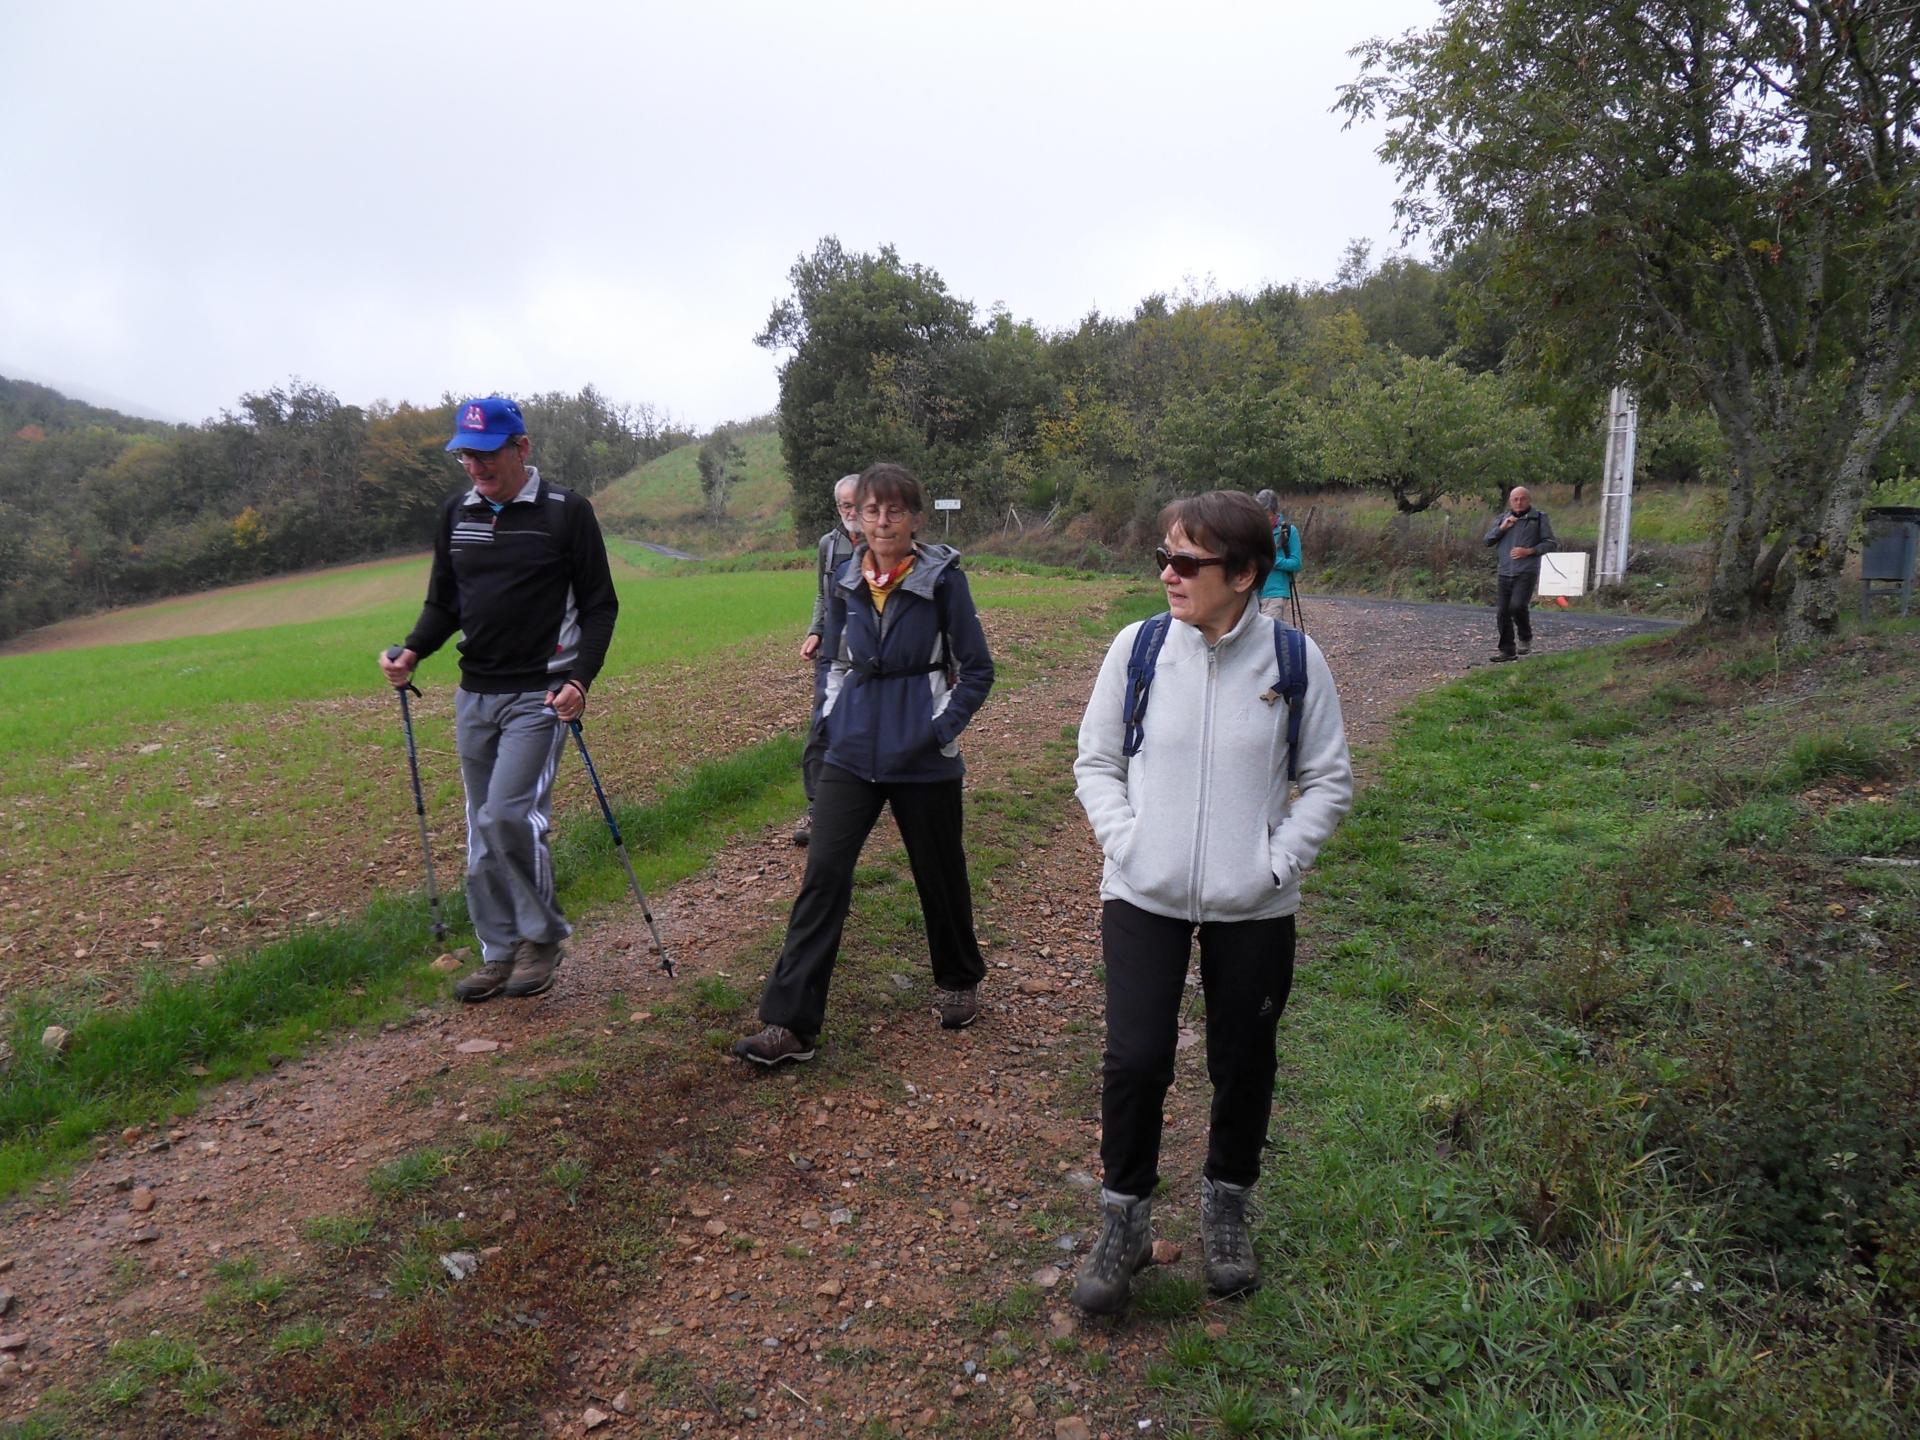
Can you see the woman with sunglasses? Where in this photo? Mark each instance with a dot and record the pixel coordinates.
(1202, 833)
(909, 666)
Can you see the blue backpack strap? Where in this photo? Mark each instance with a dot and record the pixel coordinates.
(1147, 641)
(1290, 650)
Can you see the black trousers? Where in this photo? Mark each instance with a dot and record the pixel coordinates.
(845, 808)
(1246, 973)
(1516, 593)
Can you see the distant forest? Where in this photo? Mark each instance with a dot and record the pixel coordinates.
(100, 509)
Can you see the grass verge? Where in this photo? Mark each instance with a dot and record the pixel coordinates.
(1600, 1090)
(133, 1062)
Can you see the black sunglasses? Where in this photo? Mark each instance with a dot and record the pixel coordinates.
(1184, 565)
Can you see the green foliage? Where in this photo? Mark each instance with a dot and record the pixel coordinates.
(105, 510)
(1422, 430)
(1708, 201)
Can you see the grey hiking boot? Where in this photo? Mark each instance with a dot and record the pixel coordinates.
(774, 1045)
(533, 967)
(1124, 1247)
(958, 1008)
(484, 983)
(1231, 1268)
(1525, 647)
(803, 832)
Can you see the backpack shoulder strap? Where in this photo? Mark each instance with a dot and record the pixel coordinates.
(1147, 641)
(1290, 652)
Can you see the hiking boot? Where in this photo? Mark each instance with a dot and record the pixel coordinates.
(1231, 1268)
(773, 1046)
(484, 983)
(803, 832)
(1124, 1248)
(1526, 647)
(1501, 657)
(958, 1008)
(533, 967)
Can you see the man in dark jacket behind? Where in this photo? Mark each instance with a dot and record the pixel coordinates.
(1523, 534)
(835, 549)
(519, 566)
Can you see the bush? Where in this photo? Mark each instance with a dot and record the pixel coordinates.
(1801, 1109)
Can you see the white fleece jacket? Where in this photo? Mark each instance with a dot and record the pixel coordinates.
(1201, 824)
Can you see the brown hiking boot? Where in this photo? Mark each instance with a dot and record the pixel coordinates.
(1231, 1266)
(958, 1008)
(484, 983)
(533, 967)
(773, 1046)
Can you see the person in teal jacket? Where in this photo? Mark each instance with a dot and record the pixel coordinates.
(1276, 595)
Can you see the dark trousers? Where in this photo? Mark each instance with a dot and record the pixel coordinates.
(845, 808)
(1246, 973)
(1516, 593)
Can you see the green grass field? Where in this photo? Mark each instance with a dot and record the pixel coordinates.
(661, 501)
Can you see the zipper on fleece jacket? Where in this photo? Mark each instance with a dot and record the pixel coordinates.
(1206, 783)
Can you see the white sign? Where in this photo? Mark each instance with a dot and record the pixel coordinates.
(946, 504)
(1563, 572)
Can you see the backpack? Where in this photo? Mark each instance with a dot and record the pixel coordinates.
(1289, 652)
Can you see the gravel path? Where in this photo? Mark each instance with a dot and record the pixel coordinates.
(892, 1244)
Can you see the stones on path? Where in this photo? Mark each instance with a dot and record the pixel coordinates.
(1165, 1252)
(142, 1200)
(446, 964)
(16, 1341)
(54, 1039)
(477, 1047)
(460, 1263)
(1071, 1428)
(594, 1419)
(1047, 1276)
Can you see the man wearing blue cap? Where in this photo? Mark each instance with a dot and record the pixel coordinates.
(518, 566)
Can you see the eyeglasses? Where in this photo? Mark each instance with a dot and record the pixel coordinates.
(486, 459)
(883, 512)
(1184, 565)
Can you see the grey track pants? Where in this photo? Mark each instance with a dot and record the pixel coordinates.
(509, 750)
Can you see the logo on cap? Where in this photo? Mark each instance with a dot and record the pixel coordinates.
(474, 419)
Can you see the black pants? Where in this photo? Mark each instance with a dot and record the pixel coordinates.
(1246, 972)
(1516, 593)
(845, 808)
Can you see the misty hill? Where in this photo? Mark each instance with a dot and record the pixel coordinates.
(24, 404)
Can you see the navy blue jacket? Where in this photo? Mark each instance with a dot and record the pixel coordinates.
(890, 719)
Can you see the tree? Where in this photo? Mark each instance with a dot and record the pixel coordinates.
(1709, 196)
(1424, 431)
(720, 463)
(875, 343)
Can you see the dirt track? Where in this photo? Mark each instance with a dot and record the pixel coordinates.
(863, 1208)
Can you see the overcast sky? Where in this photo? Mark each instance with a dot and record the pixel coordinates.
(395, 200)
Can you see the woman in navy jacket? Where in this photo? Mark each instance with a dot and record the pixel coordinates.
(909, 668)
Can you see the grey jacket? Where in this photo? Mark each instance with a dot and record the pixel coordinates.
(835, 549)
(1531, 529)
(1201, 825)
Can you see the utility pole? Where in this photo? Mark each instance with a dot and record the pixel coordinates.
(1616, 488)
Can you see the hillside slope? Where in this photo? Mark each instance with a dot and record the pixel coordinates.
(661, 502)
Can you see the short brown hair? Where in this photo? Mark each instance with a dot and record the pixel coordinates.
(1229, 522)
(890, 484)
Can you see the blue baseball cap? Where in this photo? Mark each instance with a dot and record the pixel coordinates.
(486, 424)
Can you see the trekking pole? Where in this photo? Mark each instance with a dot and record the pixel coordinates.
(419, 801)
(620, 845)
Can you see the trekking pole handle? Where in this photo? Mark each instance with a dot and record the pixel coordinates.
(393, 653)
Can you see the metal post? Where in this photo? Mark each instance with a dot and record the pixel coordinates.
(1616, 488)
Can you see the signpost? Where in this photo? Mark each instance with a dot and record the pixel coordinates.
(947, 507)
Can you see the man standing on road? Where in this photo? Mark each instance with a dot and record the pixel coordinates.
(520, 567)
(836, 548)
(1523, 534)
